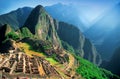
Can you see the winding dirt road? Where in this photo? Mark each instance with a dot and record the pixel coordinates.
(71, 61)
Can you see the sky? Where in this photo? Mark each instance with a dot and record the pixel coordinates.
(89, 9)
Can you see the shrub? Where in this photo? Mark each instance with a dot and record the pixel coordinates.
(25, 32)
(12, 35)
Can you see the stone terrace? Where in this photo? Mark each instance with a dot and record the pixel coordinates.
(21, 65)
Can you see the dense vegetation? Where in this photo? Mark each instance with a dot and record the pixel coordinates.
(25, 32)
(87, 69)
(91, 71)
(67, 46)
(12, 35)
(37, 45)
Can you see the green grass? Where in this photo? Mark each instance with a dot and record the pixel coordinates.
(89, 70)
(12, 35)
(26, 48)
(67, 46)
(25, 32)
(52, 61)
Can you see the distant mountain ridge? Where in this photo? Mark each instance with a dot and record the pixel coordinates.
(104, 33)
(58, 11)
(15, 18)
(66, 13)
(114, 64)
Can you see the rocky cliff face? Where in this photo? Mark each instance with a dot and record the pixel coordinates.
(76, 39)
(43, 25)
(90, 52)
(4, 30)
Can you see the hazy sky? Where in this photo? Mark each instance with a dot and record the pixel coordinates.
(90, 9)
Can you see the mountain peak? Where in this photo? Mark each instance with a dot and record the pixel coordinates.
(34, 18)
(42, 25)
(39, 6)
(39, 9)
(58, 5)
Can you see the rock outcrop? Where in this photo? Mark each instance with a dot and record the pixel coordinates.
(4, 30)
(43, 25)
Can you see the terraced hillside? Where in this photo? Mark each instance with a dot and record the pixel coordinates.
(25, 62)
(21, 65)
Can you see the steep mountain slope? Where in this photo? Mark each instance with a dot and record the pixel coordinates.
(4, 31)
(66, 13)
(15, 18)
(102, 33)
(114, 64)
(111, 42)
(82, 46)
(43, 25)
(92, 71)
(7, 32)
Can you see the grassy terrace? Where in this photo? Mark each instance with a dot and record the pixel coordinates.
(52, 61)
(27, 49)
